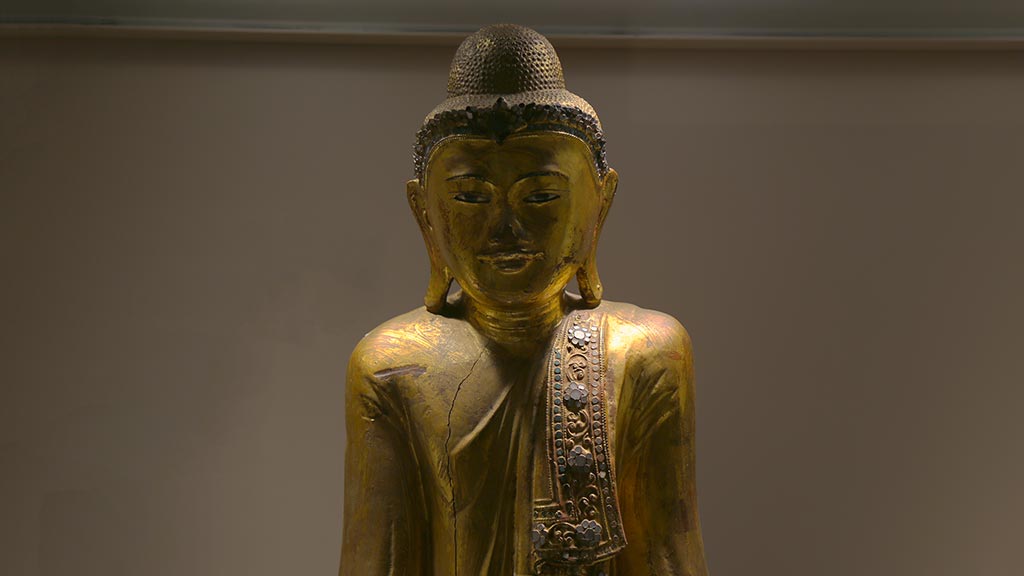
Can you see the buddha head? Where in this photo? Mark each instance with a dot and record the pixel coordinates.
(511, 187)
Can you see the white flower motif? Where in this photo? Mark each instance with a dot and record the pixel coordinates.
(580, 336)
(575, 395)
(580, 458)
(539, 535)
(588, 533)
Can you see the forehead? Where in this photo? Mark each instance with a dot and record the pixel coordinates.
(520, 152)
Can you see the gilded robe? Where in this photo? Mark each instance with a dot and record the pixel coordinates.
(446, 449)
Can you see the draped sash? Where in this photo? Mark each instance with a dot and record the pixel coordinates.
(576, 525)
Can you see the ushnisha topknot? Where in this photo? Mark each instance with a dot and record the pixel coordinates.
(507, 79)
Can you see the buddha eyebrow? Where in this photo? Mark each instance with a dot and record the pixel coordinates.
(466, 177)
(543, 173)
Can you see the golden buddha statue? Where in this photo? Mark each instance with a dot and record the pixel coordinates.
(514, 428)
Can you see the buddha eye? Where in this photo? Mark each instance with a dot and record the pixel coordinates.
(472, 198)
(541, 197)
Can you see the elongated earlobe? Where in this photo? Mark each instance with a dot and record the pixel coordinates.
(437, 288)
(440, 277)
(591, 288)
(590, 283)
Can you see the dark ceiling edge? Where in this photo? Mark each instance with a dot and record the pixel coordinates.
(689, 42)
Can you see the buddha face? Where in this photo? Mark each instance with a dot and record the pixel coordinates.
(512, 221)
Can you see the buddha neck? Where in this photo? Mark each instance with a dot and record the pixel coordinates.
(516, 326)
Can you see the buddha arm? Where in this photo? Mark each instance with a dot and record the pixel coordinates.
(383, 511)
(657, 480)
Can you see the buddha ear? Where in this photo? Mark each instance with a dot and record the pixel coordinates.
(591, 288)
(440, 277)
(609, 184)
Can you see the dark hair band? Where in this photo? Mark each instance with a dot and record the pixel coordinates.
(501, 120)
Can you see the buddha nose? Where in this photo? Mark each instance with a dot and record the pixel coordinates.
(509, 230)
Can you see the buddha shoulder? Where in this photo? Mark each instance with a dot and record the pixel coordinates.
(647, 337)
(412, 344)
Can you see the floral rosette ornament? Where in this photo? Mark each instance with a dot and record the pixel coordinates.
(580, 336)
(575, 395)
(588, 532)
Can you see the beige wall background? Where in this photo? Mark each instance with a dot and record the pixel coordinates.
(195, 235)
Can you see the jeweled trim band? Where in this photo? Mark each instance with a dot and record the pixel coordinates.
(581, 525)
